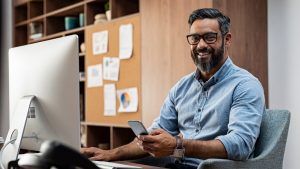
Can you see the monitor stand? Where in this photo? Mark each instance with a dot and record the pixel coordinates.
(16, 130)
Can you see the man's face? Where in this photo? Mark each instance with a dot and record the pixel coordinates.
(209, 52)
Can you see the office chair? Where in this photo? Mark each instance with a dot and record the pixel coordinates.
(269, 148)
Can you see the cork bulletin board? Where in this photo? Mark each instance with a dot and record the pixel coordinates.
(129, 75)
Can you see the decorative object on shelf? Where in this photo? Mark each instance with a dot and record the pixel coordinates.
(83, 137)
(71, 22)
(100, 18)
(81, 76)
(36, 30)
(82, 47)
(81, 19)
(107, 11)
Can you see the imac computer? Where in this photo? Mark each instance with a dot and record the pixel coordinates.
(43, 96)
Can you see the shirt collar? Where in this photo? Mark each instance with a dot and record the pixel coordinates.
(217, 76)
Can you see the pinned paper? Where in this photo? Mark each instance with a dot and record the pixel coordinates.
(95, 76)
(126, 45)
(109, 99)
(100, 42)
(111, 68)
(128, 100)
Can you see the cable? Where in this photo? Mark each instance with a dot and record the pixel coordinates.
(2, 149)
(10, 141)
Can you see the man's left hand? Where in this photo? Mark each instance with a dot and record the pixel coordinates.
(158, 143)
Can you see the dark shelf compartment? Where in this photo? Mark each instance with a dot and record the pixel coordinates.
(52, 5)
(20, 35)
(122, 136)
(92, 9)
(98, 135)
(21, 13)
(37, 9)
(123, 8)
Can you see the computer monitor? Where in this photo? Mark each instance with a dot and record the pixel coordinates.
(44, 75)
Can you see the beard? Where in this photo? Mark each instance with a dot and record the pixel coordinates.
(216, 57)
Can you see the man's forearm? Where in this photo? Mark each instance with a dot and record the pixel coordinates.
(204, 149)
(128, 151)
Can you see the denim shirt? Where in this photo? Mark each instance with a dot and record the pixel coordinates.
(228, 107)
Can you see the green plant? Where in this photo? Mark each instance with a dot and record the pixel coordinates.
(106, 6)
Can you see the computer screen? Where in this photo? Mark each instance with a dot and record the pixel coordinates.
(48, 70)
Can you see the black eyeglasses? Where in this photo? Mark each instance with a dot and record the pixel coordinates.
(209, 38)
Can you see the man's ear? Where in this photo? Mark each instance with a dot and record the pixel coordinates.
(227, 39)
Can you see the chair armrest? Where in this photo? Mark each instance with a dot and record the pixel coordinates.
(230, 164)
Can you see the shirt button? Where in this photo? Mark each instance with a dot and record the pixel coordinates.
(197, 130)
(199, 110)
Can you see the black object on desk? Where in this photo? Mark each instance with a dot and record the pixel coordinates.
(58, 155)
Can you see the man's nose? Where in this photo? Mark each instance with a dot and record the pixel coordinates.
(202, 44)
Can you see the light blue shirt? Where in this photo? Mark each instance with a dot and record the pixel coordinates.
(228, 107)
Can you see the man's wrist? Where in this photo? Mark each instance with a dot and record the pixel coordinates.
(179, 149)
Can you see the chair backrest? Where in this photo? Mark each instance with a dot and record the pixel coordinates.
(273, 135)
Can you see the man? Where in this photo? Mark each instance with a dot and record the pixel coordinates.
(214, 112)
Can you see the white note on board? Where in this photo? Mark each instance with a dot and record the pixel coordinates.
(126, 41)
(95, 76)
(100, 42)
(111, 68)
(109, 99)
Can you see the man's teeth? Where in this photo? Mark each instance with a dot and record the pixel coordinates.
(202, 54)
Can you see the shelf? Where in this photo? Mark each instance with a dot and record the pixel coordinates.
(23, 23)
(18, 3)
(70, 10)
(59, 34)
(37, 18)
(81, 54)
(103, 125)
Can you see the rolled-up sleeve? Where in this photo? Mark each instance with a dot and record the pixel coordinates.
(244, 120)
(168, 118)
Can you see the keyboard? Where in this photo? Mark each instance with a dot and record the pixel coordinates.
(113, 165)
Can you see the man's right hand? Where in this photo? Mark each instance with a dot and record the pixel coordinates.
(94, 153)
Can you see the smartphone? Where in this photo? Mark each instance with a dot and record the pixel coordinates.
(137, 127)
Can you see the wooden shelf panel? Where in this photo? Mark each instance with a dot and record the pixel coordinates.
(23, 23)
(38, 18)
(70, 10)
(18, 3)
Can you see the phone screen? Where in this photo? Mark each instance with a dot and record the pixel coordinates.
(138, 128)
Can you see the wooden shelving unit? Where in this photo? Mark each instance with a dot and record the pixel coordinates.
(50, 14)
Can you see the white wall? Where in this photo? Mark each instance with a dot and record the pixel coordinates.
(284, 69)
(6, 36)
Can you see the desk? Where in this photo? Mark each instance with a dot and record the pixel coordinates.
(139, 165)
